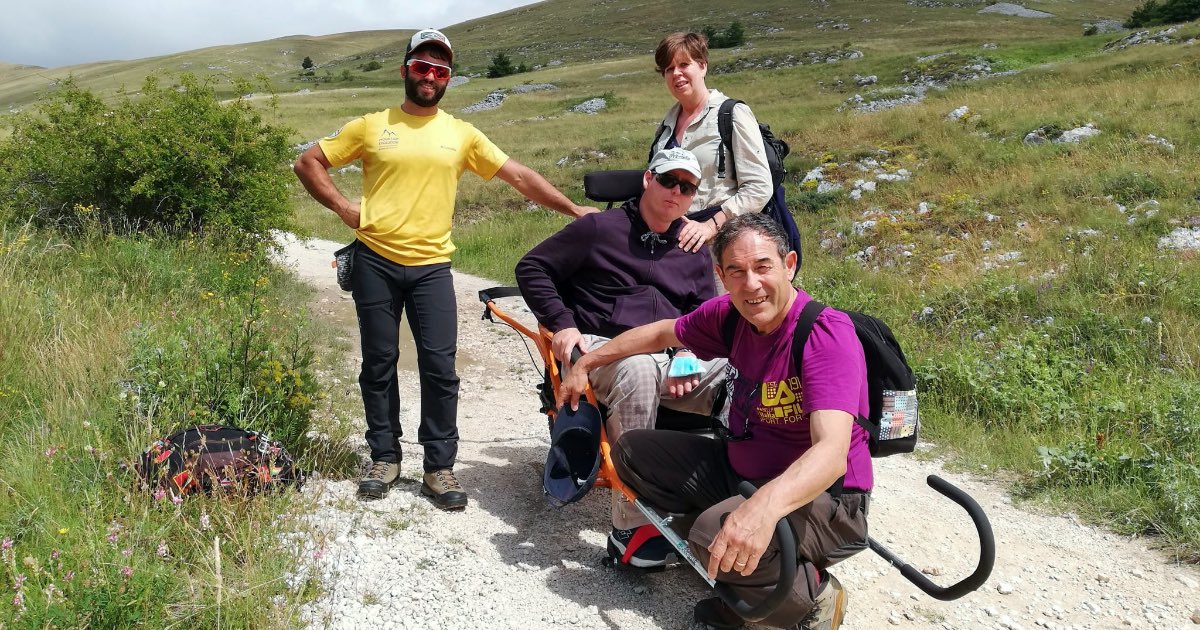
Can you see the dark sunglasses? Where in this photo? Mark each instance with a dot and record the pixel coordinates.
(422, 68)
(669, 181)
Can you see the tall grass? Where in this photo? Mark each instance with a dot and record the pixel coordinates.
(108, 342)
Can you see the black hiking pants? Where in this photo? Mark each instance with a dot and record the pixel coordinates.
(690, 474)
(383, 290)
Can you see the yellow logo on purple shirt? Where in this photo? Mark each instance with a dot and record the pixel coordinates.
(780, 402)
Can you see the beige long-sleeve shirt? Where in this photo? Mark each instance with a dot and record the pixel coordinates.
(746, 189)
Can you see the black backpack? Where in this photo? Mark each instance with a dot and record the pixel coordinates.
(894, 421)
(214, 457)
(776, 150)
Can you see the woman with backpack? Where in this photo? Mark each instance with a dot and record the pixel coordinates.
(692, 123)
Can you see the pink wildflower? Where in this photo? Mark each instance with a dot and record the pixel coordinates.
(19, 600)
(7, 544)
(176, 499)
(127, 571)
(160, 494)
(126, 552)
(55, 554)
(162, 550)
(112, 537)
(20, 581)
(204, 521)
(69, 576)
(51, 451)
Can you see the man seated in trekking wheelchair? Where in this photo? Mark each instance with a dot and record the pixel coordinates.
(606, 273)
(791, 431)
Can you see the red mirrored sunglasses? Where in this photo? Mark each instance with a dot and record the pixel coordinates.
(422, 68)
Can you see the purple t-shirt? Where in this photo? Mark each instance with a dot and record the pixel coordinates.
(775, 399)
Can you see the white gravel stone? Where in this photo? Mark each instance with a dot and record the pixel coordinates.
(1187, 239)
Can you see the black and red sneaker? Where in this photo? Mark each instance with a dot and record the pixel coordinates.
(642, 547)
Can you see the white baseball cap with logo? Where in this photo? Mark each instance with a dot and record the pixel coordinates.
(675, 159)
(427, 36)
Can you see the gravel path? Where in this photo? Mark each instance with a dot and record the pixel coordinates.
(511, 561)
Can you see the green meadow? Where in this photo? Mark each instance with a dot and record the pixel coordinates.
(1045, 294)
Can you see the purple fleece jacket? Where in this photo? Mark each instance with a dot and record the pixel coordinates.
(607, 272)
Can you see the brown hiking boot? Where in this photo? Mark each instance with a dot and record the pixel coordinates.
(826, 614)
(380, 477)
(829, 609)
(443, 487)
(714, 614)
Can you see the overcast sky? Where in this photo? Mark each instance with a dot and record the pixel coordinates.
(54, 33)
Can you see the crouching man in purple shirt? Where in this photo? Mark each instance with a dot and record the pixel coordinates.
(792, 434)
(606, 273)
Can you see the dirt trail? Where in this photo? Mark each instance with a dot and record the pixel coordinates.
(511, 561)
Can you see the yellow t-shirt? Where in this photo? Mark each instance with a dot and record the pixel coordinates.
(411, 166)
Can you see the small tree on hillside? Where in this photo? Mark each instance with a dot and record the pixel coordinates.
(307, 64)
(733, 36)
(501, 66)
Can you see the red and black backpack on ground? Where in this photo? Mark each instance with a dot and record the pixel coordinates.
(210, 457)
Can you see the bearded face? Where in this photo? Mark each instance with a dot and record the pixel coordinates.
(424, 91)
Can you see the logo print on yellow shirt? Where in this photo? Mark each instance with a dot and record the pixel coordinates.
(388, 140)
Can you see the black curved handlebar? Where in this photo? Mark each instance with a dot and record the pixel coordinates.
(787, 571)
(987, 548)
(495, 293)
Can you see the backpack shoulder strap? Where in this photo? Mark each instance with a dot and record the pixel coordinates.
(729, 327)
(662, 126)
(725, 128)
(798, 348)
(804, 326)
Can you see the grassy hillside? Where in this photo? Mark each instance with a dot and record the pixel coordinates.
(1033, 285)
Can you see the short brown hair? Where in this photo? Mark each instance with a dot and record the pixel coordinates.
(694, 45)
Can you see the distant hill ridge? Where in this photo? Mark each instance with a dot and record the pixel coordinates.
(572, 31)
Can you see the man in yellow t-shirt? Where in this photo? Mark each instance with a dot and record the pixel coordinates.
(412, 157)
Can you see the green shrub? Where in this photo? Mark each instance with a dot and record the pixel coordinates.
(1152, 13)
(170, 157)
(501, 66)
(731, 37)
